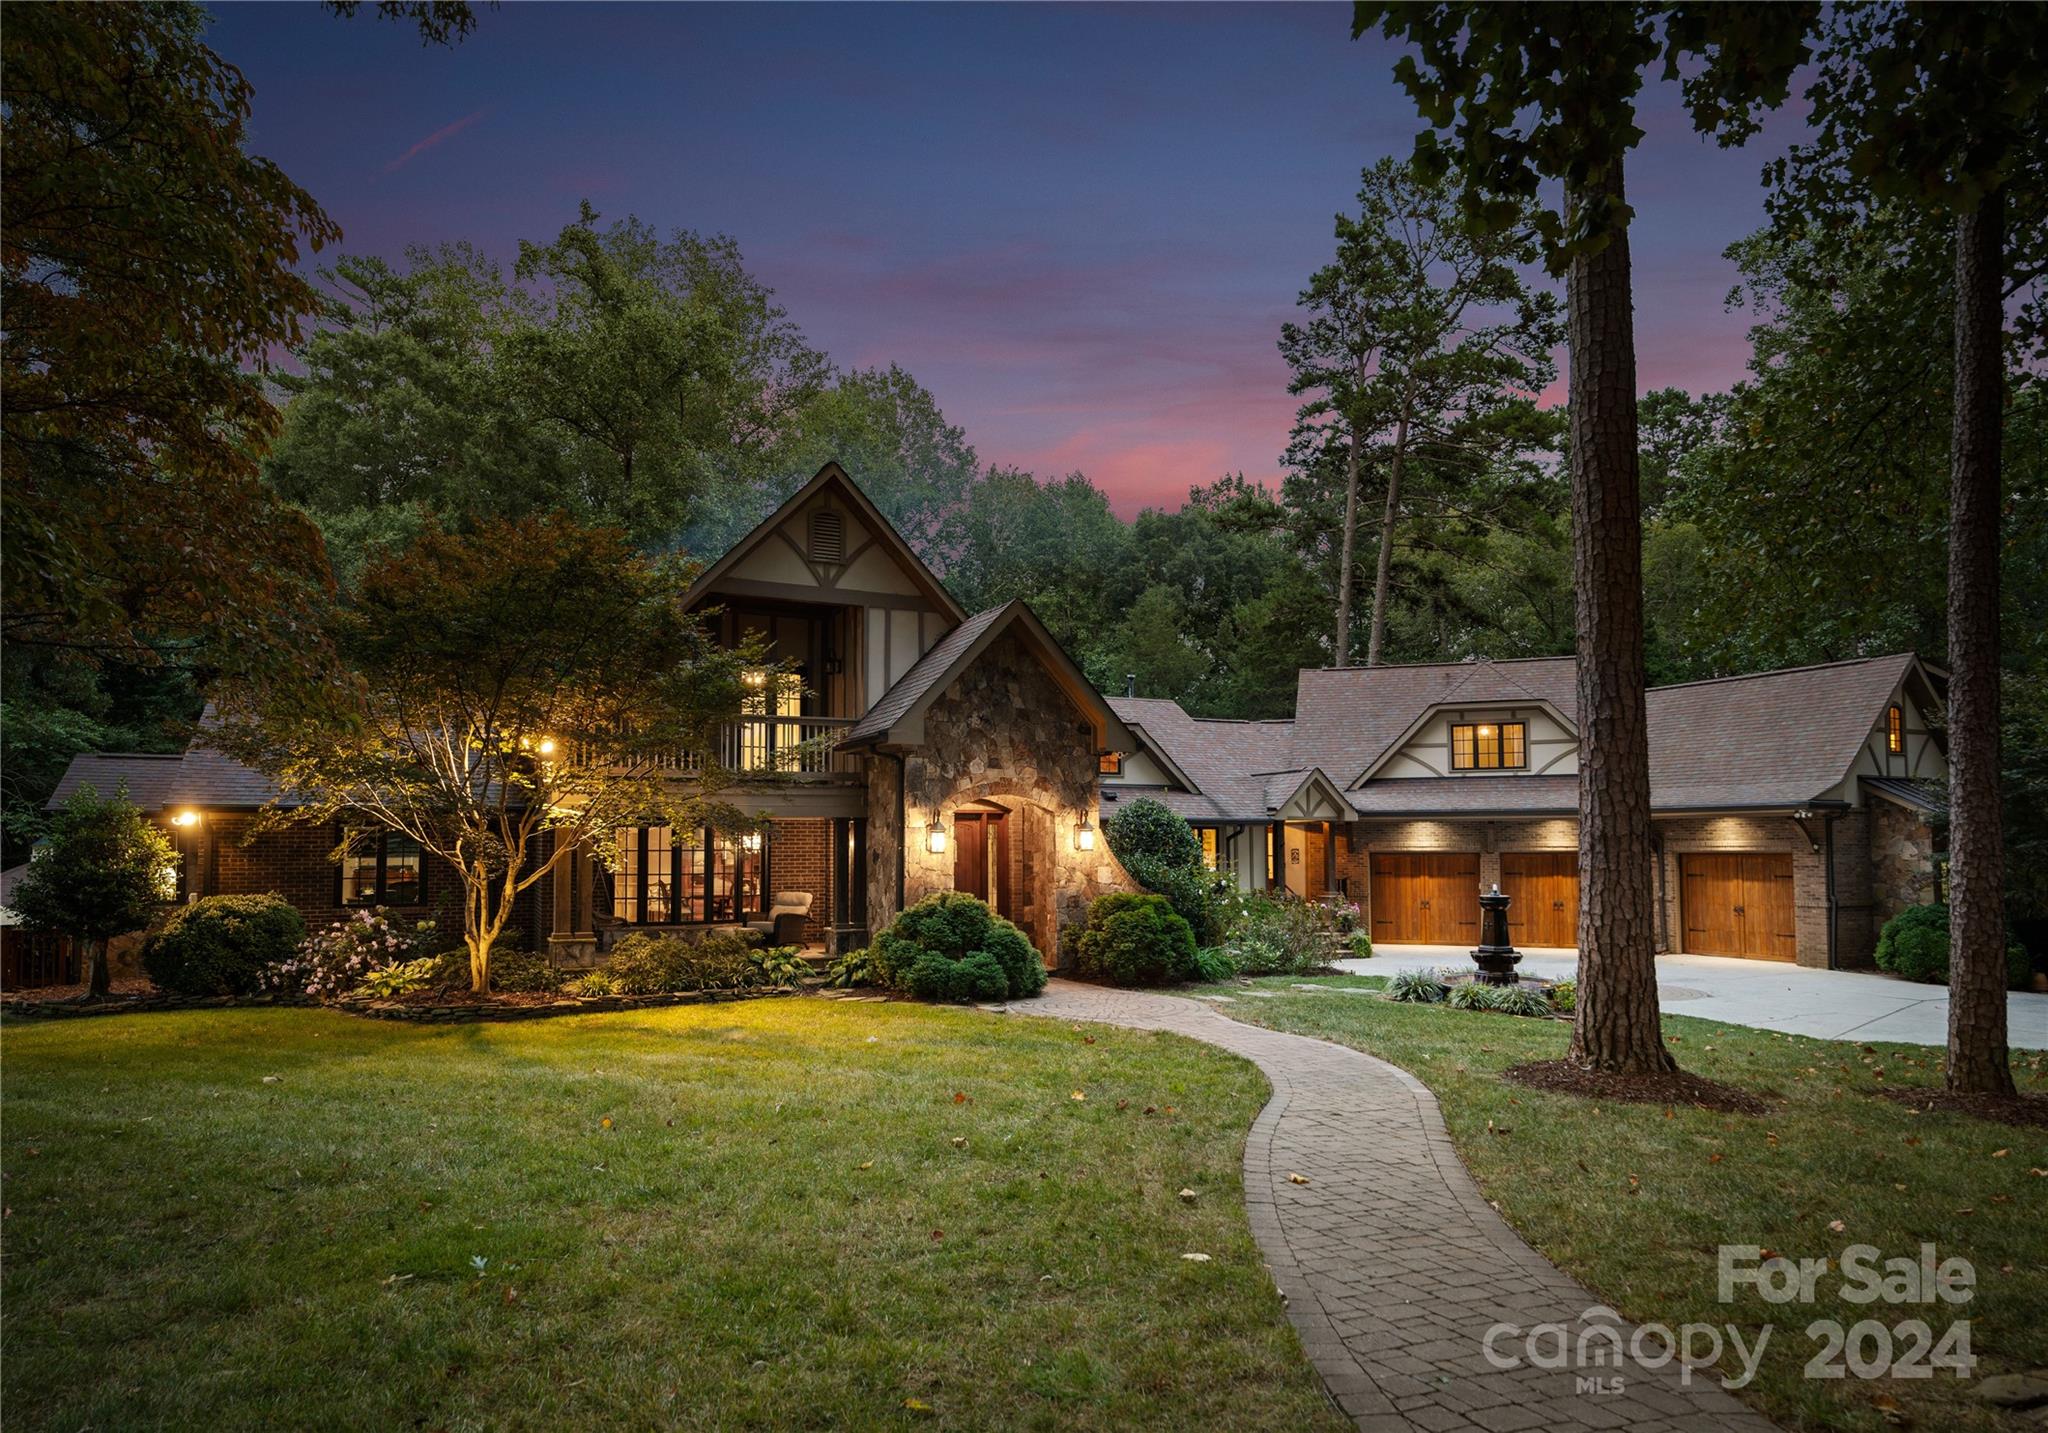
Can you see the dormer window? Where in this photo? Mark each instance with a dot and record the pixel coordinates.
(1894, 730)
(1489, 746)
(828, 536)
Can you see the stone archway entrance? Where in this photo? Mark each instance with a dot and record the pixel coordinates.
(1003, 853)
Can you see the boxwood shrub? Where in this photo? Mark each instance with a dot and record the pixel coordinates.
(951, 946)
(222, 945)
(1915, 944)
(1136, 940)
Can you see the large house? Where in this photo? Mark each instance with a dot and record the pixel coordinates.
(914, 748)
(1791, 809)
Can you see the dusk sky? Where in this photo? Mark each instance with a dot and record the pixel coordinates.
(1081, 228)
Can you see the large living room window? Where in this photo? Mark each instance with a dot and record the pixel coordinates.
(1207, 836)
(382, 868)
(1489, 746)
(665, 876)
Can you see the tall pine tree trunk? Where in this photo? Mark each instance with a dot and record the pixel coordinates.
(1383, 576)
(1977, 1056)
(1347, 555)
(1617, 1026)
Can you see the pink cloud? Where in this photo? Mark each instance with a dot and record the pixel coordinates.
(446, 131)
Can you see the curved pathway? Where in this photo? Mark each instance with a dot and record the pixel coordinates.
(1393, 1265)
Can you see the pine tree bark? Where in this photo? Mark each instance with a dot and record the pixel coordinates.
(1347, 555)
(1382, 578)
(1978, 1060)
(1617, 1027)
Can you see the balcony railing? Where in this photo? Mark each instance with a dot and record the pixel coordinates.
(794, 746)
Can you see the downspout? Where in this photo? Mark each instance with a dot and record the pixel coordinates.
(1828, 820)
(1663, 895)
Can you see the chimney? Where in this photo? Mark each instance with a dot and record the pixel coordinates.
(1130, 684)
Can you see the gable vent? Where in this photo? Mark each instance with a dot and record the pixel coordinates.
(828, 536)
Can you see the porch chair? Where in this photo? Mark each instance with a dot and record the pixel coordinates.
(787, 913)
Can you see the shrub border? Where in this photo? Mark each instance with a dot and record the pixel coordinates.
(383, 1009)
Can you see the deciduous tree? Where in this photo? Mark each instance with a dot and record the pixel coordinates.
(503, 695)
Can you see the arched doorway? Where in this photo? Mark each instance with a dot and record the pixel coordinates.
(1002, 852)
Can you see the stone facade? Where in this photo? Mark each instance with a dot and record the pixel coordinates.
(1006, 734)
(1901, 860)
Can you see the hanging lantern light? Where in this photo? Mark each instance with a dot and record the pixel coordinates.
(1084, 836)
(935, 837)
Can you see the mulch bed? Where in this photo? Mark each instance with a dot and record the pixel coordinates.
(1676, 1088)
(424, 1007)
(2026, 1111)
(42, 994)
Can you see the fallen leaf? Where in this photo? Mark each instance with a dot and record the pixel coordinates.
(1836, 1226)
(959, 1141)
(1088, 1040)
(605, 1123)
(1297, 1179)
(1196, 1258)
(937, 1235)
(1715, 1158)
(917, 1405)
(959, 1097)
(1151, 1110)
(2000, 1153)
(870, 1164)
(1187, 1196)
(510, 1296)
(1078, 1095)
(1123, 1104)
(1912, 1139)
(273, 1079)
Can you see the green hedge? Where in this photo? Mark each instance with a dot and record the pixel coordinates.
(1136, 940)
(1915, 944)
(951, 946)
(222, 945)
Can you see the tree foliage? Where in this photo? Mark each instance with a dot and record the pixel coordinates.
(499, 696)
(102, 870)
(147, 269)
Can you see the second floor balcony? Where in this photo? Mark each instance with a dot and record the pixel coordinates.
(800, 748)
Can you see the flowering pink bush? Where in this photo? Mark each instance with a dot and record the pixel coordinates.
(332, 962)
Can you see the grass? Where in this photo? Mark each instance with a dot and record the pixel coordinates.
(1636, 1200)
(800, 1213)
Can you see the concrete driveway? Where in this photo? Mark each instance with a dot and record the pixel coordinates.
(1767, 994)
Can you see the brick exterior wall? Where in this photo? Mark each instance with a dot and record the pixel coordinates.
(296, 863)
(1004, 732)
(800, 859)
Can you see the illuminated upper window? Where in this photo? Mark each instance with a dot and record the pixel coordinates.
(1894, 729)
(1489, 746)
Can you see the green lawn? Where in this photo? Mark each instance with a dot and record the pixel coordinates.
(781, 1226)
(1635, 1201)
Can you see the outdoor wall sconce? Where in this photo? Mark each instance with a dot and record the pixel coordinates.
(751, 841)
(1084, 837)
(187, 817)
(935, 838)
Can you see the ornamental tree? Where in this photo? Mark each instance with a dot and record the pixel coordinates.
(101, 871)
(499, 696)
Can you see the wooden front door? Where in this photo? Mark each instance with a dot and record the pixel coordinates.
(1543, 892)
(1738, 904)
(1315, 856)
(1425, 898)
(981, 857)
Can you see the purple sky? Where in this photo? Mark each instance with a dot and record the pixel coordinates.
(1079, 227)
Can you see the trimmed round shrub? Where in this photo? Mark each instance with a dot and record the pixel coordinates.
(222, 945)
(1915, 944)
(1137, 940)
(946, 946)
(1160, 852)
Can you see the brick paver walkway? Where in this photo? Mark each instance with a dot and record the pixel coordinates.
(1393, 1266)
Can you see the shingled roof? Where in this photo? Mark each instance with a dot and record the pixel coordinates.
(199, 776)
(1768, 740)
(1346, 718)
(1771, 739)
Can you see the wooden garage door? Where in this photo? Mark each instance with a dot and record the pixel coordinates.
(1738, 904)
(1543, 892)
(1425, 898)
